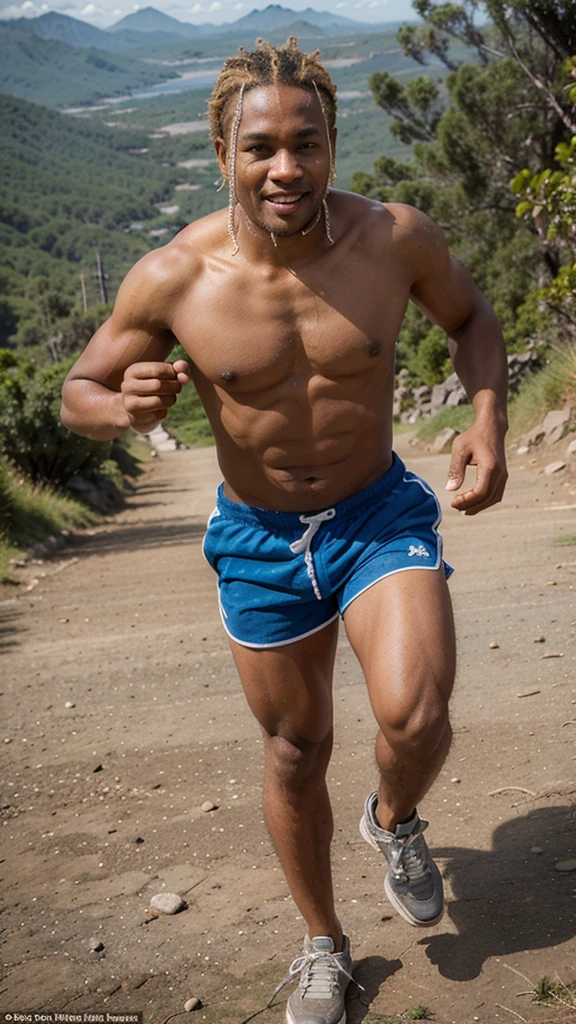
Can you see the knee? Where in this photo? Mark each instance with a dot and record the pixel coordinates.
(421, 730)
(294, 761)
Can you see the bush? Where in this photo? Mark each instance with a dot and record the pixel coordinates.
(31, 434)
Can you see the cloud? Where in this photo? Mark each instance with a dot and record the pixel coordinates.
(215, 5)
(26, 10)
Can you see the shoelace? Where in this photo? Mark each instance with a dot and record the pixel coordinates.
(319, 971)
(408, 862)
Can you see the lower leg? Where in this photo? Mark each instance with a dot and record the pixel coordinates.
(299, 818)
(406, 776)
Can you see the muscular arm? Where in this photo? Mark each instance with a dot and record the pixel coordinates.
(122, 378)
(446, 293)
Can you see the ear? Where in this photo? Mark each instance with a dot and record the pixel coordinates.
(222, 154)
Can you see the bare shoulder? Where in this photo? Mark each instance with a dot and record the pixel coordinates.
(384, 225)
(162, 276)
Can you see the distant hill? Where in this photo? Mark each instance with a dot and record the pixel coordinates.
(276, 16)
(56, 74)
(67, 187)
(257, 22)
(151, 20)
(79, 33)
(302, 29)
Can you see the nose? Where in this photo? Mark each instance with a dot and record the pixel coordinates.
(285, 166)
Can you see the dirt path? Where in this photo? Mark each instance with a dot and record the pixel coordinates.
(102, 799)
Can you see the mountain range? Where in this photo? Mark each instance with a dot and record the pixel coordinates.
(134, 30)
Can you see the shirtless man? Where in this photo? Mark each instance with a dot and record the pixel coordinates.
(289, 307)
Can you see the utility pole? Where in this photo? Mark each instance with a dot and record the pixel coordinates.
(83, 286)
(101, 277)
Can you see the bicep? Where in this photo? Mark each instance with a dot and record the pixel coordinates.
(134, 333)
(442, 288)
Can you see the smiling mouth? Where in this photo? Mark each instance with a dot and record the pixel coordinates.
(286, 203)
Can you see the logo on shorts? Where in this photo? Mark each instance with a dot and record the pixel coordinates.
(420, 551)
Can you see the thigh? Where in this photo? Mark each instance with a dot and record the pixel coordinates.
(289, 688)
(402, 632)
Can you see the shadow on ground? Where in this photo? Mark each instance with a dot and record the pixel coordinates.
(371, 972)
(508, 899)
(9, 626)
(138, 536)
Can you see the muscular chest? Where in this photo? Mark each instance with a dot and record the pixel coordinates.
(256, 329)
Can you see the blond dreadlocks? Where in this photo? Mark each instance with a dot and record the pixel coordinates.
(268, 65)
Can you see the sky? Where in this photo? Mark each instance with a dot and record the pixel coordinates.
(103, 13)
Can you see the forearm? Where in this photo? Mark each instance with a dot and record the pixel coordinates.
(93, 410)
(478, 353)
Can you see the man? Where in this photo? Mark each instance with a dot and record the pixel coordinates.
(289, 306)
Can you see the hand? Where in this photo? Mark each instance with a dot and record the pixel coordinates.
(483, 448)
(149, 389)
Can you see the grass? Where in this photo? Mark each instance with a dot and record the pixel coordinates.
(460, 418)
(554, 992)
(29, 514)
(567, 541)
(417, 1012)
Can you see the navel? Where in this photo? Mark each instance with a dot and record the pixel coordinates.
(229, 376)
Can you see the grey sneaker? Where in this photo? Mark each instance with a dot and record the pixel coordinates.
(413, 883)
(324, 978)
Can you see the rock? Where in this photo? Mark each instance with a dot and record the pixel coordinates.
(439, 395)
(167, 903)
(208, 805)
(69, 704)
(455, 779)
(160, 440)
(522, 450)
(96, 945)
(192, 1004)
(536, 849)
(493, 645)
(443, 440)
(457, 397)
(554, 467)
(571, 449)
(533, 437)
(539, 639)
(555, 424)
(565, 865)
(99, 493)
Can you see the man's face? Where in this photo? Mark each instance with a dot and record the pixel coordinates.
(282, 158)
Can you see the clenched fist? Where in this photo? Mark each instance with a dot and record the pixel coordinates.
(149, 389)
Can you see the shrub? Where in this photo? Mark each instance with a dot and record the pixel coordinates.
(31, 434)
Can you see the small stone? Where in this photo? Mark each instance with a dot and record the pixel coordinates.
(539, 639)
(139, 840)
(167, 903)
(98, 768)
(493, 645)
(69, 704)
(554, 467)
(96, 945)
(536, 849)
(208, 805)
(522, 450)
(565, 865)
(571, 449)
(192, 1004)
(455, 779)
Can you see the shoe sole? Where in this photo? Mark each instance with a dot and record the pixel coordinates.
(391, 895)
(290, 1018)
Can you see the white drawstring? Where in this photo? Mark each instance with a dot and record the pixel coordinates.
(303, 544)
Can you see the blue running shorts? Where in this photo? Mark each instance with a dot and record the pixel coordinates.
(283, 576)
